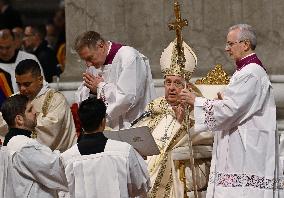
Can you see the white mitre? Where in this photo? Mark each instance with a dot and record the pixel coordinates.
(169, 61)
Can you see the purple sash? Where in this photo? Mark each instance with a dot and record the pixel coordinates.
(247, 60)
(112, 52)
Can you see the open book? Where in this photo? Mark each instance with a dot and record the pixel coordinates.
(140, 138)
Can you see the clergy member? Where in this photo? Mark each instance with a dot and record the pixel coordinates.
(244, 123)
(170, 128)
(10, 57)
(100, 167)
(55, 125)
(30, 169)
(118, 74)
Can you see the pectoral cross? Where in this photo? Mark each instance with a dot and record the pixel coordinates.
(177, 25)
(165, 138)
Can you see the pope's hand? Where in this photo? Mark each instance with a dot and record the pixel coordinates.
(180, 112)
(187, 97)
(92, 81)
(220, 96)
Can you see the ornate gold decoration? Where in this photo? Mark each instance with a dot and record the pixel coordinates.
(182, 176)
(168, 186)
(177, 25)
(173, 62)
(34, 134)
(46, 102)
(217, 76)
(177, 66)
(160, 108)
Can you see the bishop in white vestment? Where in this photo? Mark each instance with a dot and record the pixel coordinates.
(170, 129)
(243, 121)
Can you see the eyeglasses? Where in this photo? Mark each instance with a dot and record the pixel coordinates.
(231, 44)
(177, 84)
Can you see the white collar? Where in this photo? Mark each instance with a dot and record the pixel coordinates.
(248, 55)
(44, 89)
(109, 47)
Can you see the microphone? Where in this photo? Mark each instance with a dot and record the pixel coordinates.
(142, 116)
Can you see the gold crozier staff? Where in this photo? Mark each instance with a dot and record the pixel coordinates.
(177, 25)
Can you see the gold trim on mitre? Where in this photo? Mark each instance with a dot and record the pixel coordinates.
(170, 65)
(216, 76)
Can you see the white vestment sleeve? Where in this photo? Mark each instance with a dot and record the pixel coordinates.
(4, 175)
(238, 104)
(123, 95)
(138, 179)
(82, 93)
(3, 126)
(37, 162)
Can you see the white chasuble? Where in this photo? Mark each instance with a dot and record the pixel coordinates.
(5, 175)
(55, 125)
(169, 135)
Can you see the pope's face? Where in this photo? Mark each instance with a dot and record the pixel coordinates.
(173, 87)
(234, 47)
(94, 56)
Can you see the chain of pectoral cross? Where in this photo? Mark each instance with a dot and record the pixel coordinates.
(167, 136)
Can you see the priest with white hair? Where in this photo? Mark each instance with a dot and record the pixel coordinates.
(243, 120)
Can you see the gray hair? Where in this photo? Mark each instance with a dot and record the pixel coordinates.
(246, 33)
(87, 39)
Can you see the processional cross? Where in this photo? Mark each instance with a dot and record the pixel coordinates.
(177, 25)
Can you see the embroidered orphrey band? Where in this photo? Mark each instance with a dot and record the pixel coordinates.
(244, 180)
(46, 102)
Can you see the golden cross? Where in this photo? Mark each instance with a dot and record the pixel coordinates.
(177, 25)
